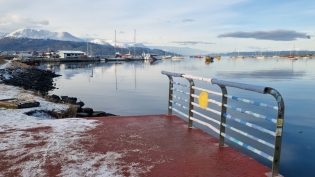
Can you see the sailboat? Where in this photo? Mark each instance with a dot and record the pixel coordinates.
(178, 56)
(260, 56)
(133, 57)
(118, 56)
(166, 56)
(292, 57)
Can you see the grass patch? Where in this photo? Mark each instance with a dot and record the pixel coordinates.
(2, 61)
(68, 113)
(19, 64)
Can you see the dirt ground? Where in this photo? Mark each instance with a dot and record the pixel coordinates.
(2, 61)
(14, 63)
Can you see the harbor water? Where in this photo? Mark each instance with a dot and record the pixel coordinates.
(139, 88)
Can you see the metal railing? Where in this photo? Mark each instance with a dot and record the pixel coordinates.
(223, 115)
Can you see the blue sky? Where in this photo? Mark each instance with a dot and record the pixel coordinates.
(212, 25)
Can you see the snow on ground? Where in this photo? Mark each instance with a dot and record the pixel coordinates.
(28, 142)
(5, 65)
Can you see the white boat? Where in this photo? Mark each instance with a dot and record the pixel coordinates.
(260, 57)
(178, 57)
(293, 58)
(133, 57)
(118, 56)
(166, 57)
(148, 56)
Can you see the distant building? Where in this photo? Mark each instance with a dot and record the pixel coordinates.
(71, 54)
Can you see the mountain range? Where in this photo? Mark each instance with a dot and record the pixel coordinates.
(31, 39)
(43, 40)
(64, 36)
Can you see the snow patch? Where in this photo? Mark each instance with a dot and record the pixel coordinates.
(43, 34)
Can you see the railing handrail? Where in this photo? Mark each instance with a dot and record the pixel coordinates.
(223, 84)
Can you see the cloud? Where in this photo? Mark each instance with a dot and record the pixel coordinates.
(188, 20)
(190, 42)
(273, 35)
(121, 32)
(16, 20)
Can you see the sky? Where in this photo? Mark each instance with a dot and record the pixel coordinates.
(212, 25)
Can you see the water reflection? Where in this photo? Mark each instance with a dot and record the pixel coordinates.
(263, 74)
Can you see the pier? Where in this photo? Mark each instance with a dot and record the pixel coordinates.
(160, 145)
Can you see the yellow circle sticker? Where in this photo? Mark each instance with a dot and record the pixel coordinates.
(203, 99)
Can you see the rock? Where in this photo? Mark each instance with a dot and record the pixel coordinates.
(29, 78)
(55, 97)
(28, 104)
(88, 110)
(63, 97)
(53, 100)
(99, 113)
(71, 100)
(80, 103)
(82, 114)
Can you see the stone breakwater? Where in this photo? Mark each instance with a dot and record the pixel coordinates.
(41, 81)
(29, 79)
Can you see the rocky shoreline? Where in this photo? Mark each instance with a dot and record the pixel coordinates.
(41, 82)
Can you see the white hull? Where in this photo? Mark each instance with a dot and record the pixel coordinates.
(151, 56)
(260, 57)
(178, 57)
(166, 57)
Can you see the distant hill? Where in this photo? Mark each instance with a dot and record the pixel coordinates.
(41, 45)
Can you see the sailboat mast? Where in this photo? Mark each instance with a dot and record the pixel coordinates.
(87, 47)
(115, 41)
(134, 46)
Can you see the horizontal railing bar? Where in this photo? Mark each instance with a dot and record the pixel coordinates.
(177, 83)
(208, 109)
(171, 73)
(267, 156)
(178, 104)
(209, 100)
(197, 78)
(180, 98)
(206, 124)
(251, 113)
(209, 91)
(179, 112)
(251, 102)
(177, 90)
(249, 87)
(248, 135)
(249, 124)
(206, 117)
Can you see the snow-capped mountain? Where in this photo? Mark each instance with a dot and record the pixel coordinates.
(64, 36)
(43, 34)
(118, 44)
(99, 41)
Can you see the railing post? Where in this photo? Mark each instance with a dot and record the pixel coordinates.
(191, 99)
(223, 111)
(170, 95)
(279, 128)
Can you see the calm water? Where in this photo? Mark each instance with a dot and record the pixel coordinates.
(138, 88)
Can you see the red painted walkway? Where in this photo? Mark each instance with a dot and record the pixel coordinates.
(153, 145)
(166, 147)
